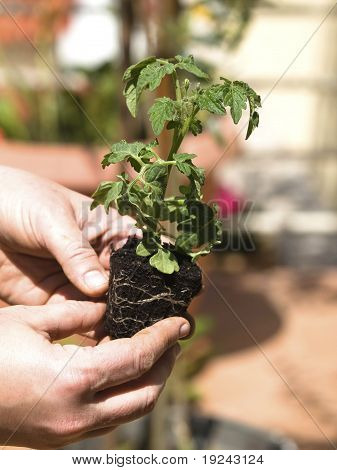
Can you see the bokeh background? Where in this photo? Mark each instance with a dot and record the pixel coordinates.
(261, 371)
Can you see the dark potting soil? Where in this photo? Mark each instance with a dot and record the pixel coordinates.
(139, 295)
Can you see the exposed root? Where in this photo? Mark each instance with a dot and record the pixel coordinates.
(139, 295)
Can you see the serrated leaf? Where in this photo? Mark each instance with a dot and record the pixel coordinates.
(211, 100)
(183, 157)
(156, 188)
(162, 110)
(201, 220)
(164, 261)
(100, 194)
(235, 96)
(152, 144)
(195, 189)
(146, 74)
(115, 190)
(122, 150)
(155, 172)
(188, 64)
(131, 98)
(196, 127)
(123, 206)
(136, 68)
(184, 168)
(151, 76)
(254, 103)
(253, 123)
(198, 174)
(132, 148)
(186, 241)
(169, 209)
(111, 158)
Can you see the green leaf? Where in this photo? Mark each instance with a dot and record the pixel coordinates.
(201, 220)
(135, 69)
(135, 200)
(184, 168)
(131, 98)
(170, 209)
(254, 103)
(115, 190)
(187, 168)
(172, 125)
(183, 157)
(147, 153)
(164, 261)
(195, 190)
(123, 206)
(196, 127)
(122, 150)
(146, 74)
(111, 158)
(142, 250)
(156, 188)
(151, 76)
(211, 100)
(198, 174)
(162, 110)
(184, 189)
(135, 165)
(152, 144)
(253, 123)
(188, 64)
(131, 76)
(186, 241)
(100, 194)
(235, 96)
(154, 172)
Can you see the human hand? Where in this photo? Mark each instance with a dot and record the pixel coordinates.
(52, 395)
(53, 246)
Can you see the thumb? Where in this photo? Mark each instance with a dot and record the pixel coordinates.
(78, 259)
(66, 319)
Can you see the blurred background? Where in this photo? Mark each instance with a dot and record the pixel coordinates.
(261, 371)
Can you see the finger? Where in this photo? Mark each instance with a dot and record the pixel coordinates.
(135, 399)
(98, 334)
(65, 319)
(111, 228)
(191, 321)
(78, 259)
(122, 360)
(66, 292)
(69, 292)
(116, 236)
(119, 228)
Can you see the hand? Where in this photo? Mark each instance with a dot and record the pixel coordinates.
(53, 246)
(52, 395)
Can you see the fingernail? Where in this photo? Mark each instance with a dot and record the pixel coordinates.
(184, 330)
(95, 279)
